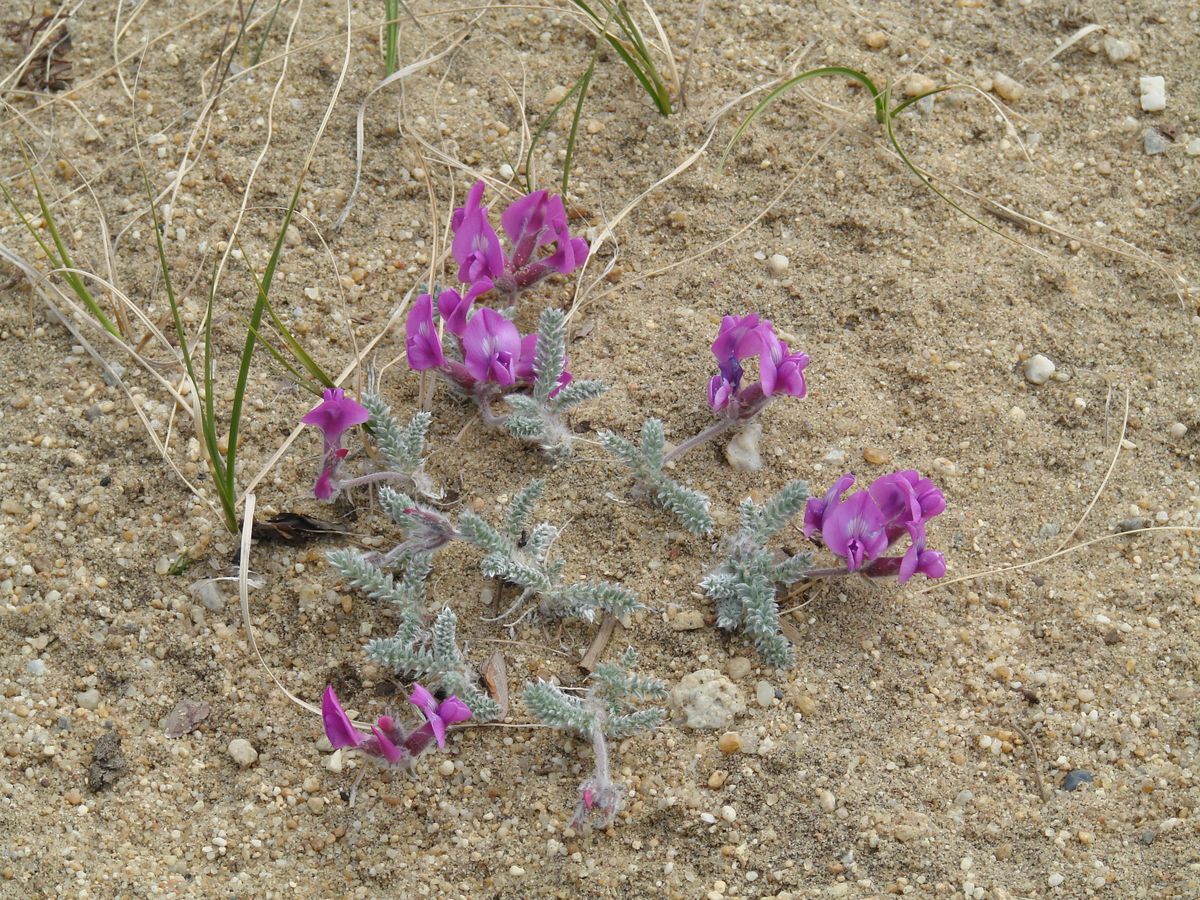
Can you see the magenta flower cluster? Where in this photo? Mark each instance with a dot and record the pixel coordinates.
(861, 528)
(487, 347)
(388, 743)
(334, 416)
(541, 243)
(491, 349)
(780, 371)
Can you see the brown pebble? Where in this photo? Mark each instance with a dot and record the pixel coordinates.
(876, 40)
(1003, 852)
(877, 457)
(730, 742)
(717, 779)
(73, 797)
(806, 704)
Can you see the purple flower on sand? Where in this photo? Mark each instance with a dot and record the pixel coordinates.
(865, 525)
(454, 308)
(853, 529)
(817, 508)
(335, 414)
(491, 347)
(388, 743)
(422, 345)
(534, 224)
(905, 498)
(780, 370)
(929, 563)
(476, 245)
(439, 716)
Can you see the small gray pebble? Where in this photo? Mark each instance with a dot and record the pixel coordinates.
(1075, 778)
(36, 668)
(1148, 836)
(1154, 143)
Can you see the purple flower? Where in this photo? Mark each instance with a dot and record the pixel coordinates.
(338, 727)
(388, 743)
(869, 522)
(740, 337)
(528, 222)
(817, 508)
(782, 371)
(454, 307)
(854, 530)
(438, 716)
(905, 498)
(491, 347)
(335, 414)
(476, 245)
(929, 563)
(422, 344)
(533, 224)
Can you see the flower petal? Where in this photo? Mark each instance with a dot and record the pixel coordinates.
(452, 711)
(384, 747)
(338, 727)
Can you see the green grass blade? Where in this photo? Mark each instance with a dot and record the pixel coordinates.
(542, 127)
(296, 348)
(823, 71)
(208, 425)
(61, 259)
(266, 31)
(256, 314)
(583, 89)
(643, 67)
(391, 33)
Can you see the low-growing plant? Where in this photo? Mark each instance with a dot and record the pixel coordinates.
(743, 585)
(647, 460)
(603, 712)
(417, 650)
(485, 357)
(781, 372)
(522, 557)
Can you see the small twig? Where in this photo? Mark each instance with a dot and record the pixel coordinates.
(607, 625)
(1037, 761)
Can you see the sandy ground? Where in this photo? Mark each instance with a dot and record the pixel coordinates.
(922, 741)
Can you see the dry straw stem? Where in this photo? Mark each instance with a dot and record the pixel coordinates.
(44, 36)
(1062, 548)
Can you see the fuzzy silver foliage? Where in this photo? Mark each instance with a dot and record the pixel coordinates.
(433, 656)
(400, 445)
(520, 554)
(646, 461)
(743, 586)
(605, 704)
(537, 417)
(604, 711)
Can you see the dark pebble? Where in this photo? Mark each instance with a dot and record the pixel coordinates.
(1075, 778)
